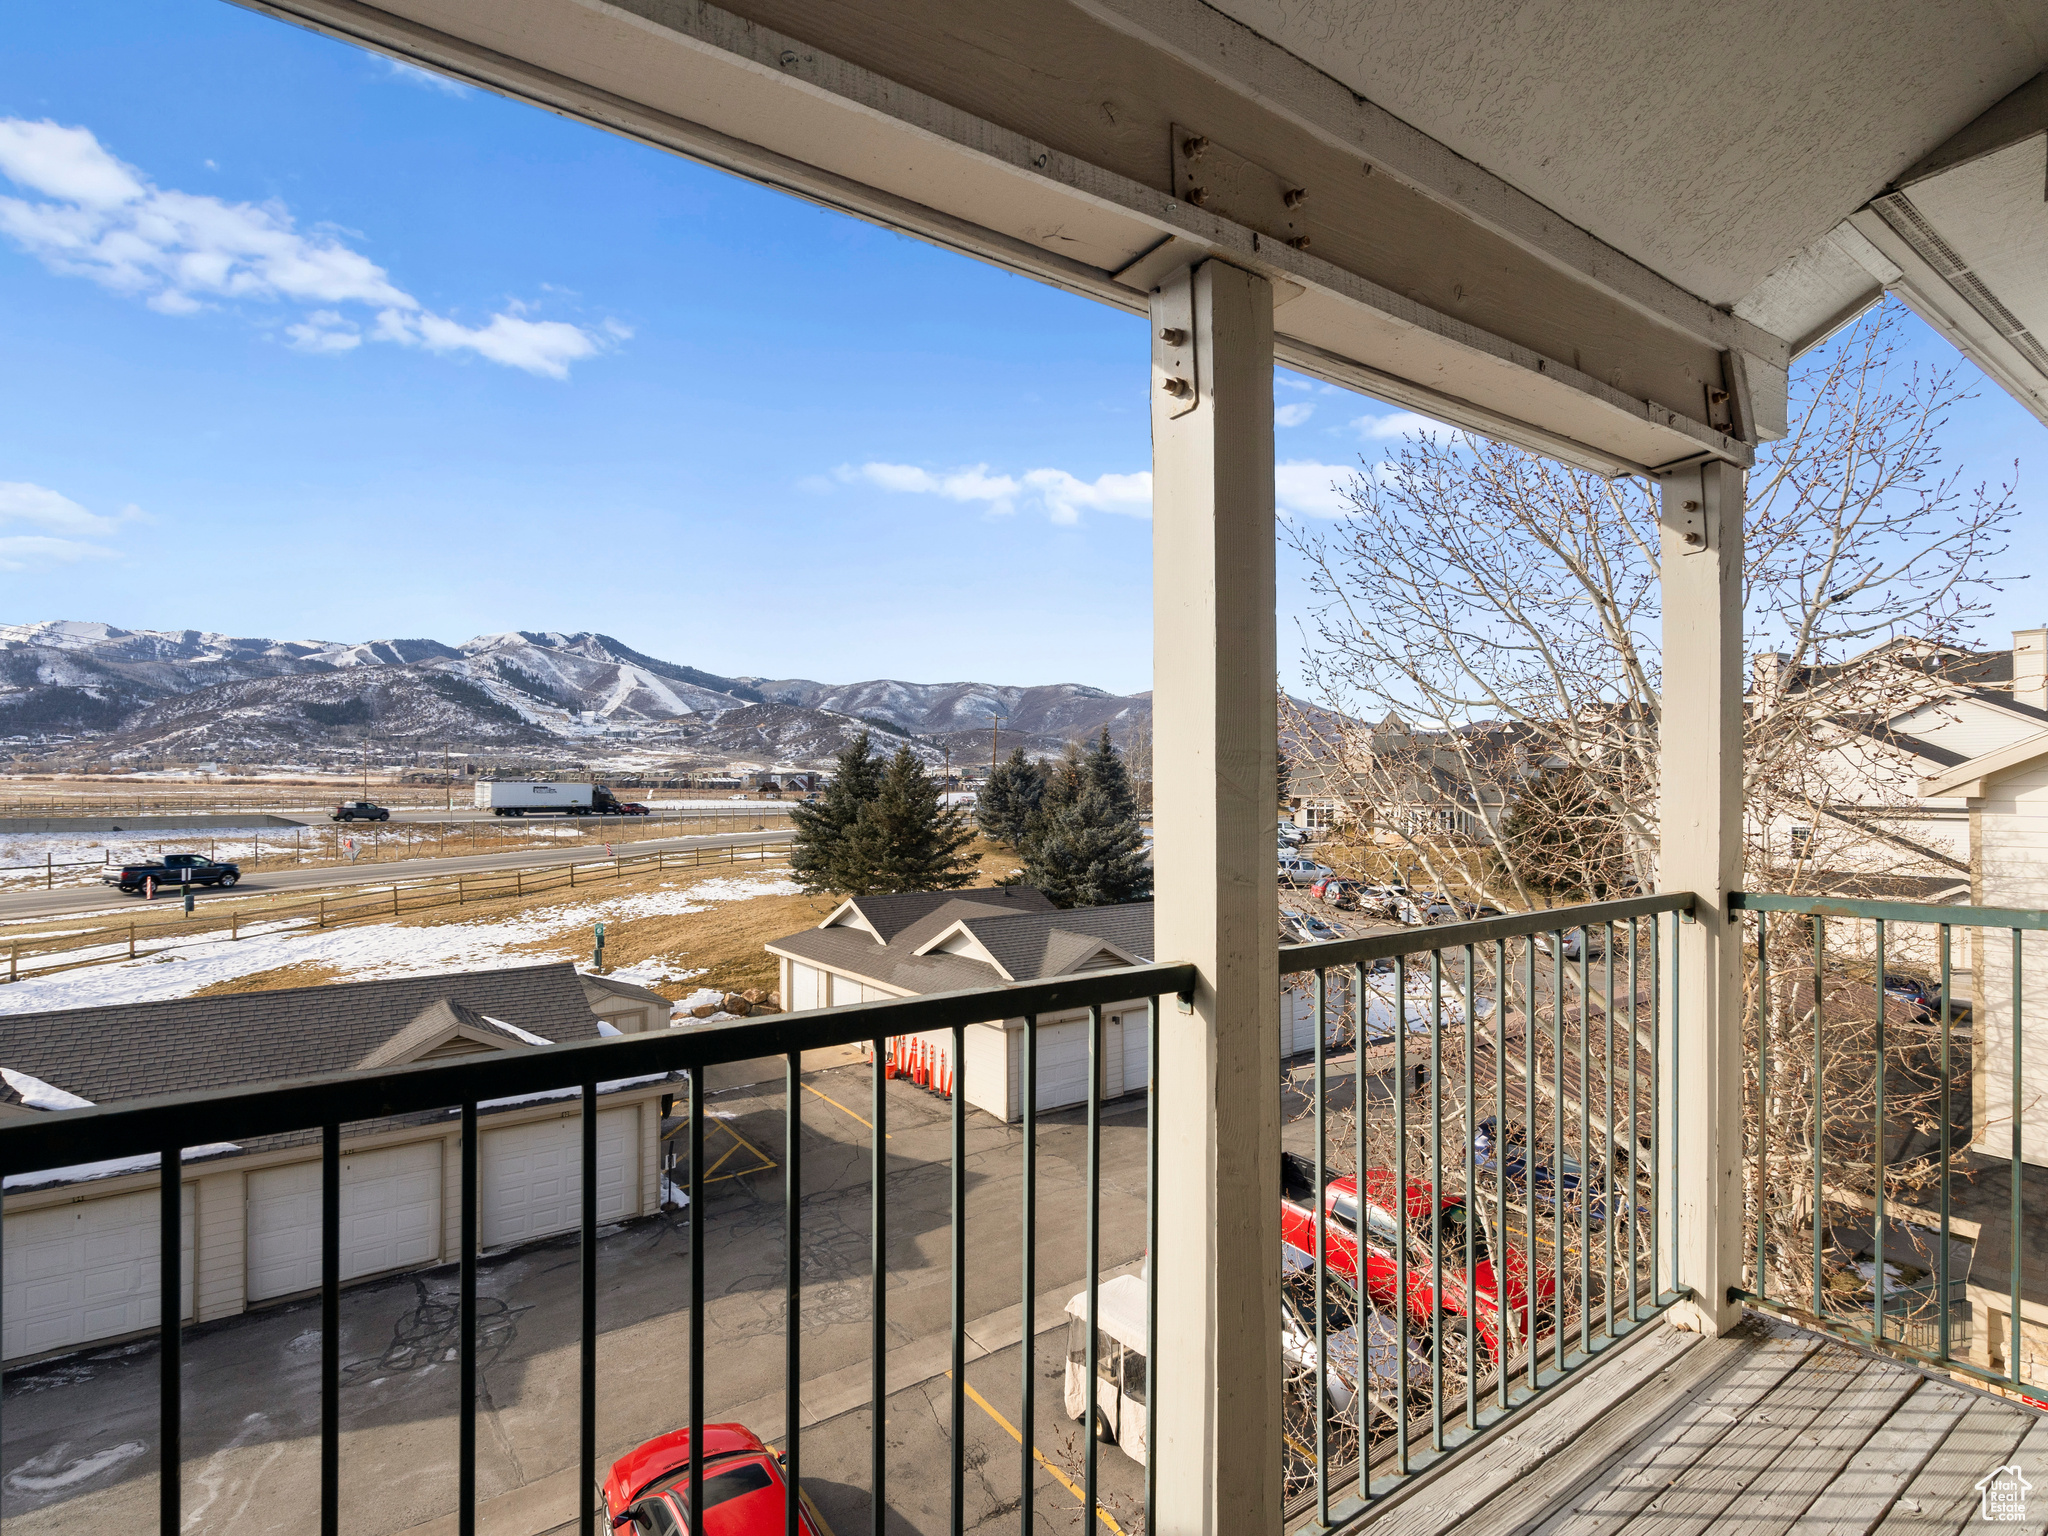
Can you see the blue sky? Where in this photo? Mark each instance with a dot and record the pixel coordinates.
(301, 343)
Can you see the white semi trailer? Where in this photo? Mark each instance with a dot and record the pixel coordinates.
(539, 797)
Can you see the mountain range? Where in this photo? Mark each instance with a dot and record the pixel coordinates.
(191, 694)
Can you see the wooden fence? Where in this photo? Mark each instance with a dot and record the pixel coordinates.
(106, 945)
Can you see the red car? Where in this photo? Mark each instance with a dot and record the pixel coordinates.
(1480, 1309)
(648, 1490)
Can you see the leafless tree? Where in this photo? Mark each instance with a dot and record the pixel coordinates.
(1487, 628)
(1484, 655)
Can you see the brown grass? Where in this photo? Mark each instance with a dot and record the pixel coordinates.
(724, 941)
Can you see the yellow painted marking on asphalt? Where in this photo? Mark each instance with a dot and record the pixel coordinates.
(1066, 1482)
(766, 1160)
(721, 1161)
(886, 1136)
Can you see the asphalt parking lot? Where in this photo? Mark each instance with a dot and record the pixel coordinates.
(80, 1435)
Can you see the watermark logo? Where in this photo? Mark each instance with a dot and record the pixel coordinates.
(2004, 1494)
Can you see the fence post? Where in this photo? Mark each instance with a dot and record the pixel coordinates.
(131, 938)
(49, 870)
(234, 925)
(14, 962)
(461, 896)
(323, 911)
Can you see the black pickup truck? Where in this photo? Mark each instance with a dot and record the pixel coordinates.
(179, 869)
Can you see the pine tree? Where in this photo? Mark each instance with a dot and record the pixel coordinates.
(905, 838)
(1086, 847)
(821, 828)
(1006, 806)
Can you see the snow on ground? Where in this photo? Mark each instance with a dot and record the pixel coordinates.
(373, 951)
(89, 854)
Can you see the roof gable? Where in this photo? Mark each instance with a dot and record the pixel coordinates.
(442, 1029)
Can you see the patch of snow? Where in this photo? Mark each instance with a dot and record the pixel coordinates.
(527, 1035)
(37, 1094)
(42, 1474)
(562, 1093)
(703, 997)
(370, 951)
(80, 1173)
(608, 1031)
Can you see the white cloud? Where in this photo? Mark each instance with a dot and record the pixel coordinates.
(1396, 424)
(1293, 415)
(57, 515)
(180, 251)
(1065, 496)
(1289, 381)
(428, 79)
(41, 507)
(1060, 495)
(25, 551)
(1311, 489)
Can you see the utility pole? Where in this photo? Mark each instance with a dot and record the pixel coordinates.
(447, 778)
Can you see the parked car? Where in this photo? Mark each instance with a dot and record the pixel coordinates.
(358, 810)
(1468, 1304)
(1317, 929)
(647, 1491)
(1579, 943)
(1923, 998)
(1291, 834)
(178, 869)
(1301, 871)
(1341, 894)
(1534, 1179)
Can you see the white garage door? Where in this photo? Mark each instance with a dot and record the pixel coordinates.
(1062, 1065)
(76, 1273)
(806, 987)
(1135, 1044)
(532, 1180)
(390, 1218)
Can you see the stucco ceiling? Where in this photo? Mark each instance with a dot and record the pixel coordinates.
(1709, 143)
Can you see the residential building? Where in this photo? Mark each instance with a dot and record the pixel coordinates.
(79, 1244)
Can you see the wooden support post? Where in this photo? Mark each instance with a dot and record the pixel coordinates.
(1216, 1396)
(131, 938)
(1700, 835)
(323, 911)
(14, 962)
(234, 925)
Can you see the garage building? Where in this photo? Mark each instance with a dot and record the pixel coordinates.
(78, 1257)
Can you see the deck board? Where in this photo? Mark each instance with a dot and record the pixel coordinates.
(1766, 1432)
(1943, 1498)
(1788, 1487)
(1591, 1411)
(1786, 1422)
(1660, 1458)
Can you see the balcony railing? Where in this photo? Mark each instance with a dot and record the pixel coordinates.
(1887, 1126)
(1532, 1171)
(1511, 1096)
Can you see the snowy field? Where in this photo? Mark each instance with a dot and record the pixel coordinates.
(374, 951)
(89, 854)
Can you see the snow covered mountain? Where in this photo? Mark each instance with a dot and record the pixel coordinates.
(195, 693)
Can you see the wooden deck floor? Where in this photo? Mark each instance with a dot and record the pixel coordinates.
(1765, 1432)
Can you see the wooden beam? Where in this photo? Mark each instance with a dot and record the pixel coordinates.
(1039, 137)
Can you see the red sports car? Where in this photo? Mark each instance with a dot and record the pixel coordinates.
(1479, 1308)
(648, 1490)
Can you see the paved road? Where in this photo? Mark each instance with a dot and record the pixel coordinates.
(22, 904)
(81, 1435)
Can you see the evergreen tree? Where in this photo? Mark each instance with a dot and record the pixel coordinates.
(1006, 807)
(1086, 847)
(821, 828)
(905, 838)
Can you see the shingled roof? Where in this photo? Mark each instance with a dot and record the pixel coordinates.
(134, 1050)
(1040, 940)
(891, 917)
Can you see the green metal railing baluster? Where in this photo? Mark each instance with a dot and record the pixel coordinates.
(1608, 1168)
(1529, 1278)
(1402, 1299)
(1436, 1199)
(1556, 1145)
(1635, 1139)
(1763, 1085)
(1503, 1310)
(2012, 1358)
(1877, 1158)
(1819, 1113)
(1942, 1322)
(1585, 1201)
(1322, 1269)
(1363, 1006)
(1471, 1294)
